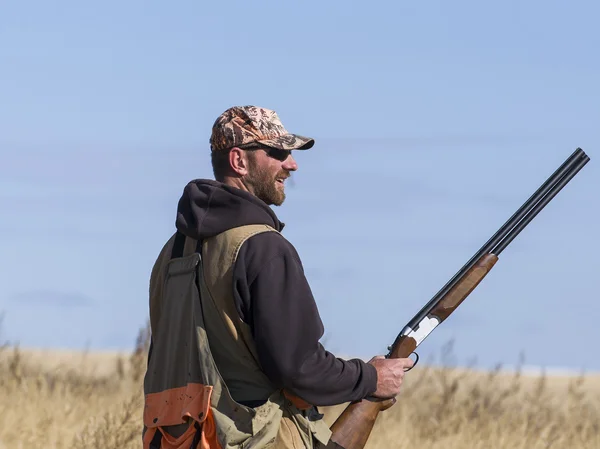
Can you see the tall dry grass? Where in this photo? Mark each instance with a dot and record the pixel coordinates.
(76, 404)
(96, 402)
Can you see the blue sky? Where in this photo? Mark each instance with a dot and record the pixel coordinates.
(433, 123)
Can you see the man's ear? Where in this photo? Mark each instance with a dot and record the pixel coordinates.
(238, 160)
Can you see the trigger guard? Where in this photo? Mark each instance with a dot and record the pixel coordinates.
(414, 364)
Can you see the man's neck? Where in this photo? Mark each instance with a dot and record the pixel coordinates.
(238, 183)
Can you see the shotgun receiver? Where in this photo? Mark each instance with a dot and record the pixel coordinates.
(353, 427)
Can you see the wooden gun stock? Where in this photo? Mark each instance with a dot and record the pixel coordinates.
(353, 427)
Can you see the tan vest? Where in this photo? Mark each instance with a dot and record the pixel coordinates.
(203, 356)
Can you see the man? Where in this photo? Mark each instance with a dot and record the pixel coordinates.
(235, 356)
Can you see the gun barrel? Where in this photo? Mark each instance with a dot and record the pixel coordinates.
(539, 206)
(515, 224)
(548, 186)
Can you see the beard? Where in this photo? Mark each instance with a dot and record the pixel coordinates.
(266, 187)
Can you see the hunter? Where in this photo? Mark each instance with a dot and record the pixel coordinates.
(235, 359)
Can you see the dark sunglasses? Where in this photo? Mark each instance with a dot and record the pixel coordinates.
(275, 153)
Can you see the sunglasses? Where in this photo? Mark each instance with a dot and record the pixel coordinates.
(275, 153)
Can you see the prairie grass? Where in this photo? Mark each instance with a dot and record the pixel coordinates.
(57, 400)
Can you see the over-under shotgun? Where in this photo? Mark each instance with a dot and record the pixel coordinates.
(353, 427)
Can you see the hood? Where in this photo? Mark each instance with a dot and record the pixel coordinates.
(207, 208)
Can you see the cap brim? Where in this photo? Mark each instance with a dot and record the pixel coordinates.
(289, 142)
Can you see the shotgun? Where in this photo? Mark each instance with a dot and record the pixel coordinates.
(353, 427)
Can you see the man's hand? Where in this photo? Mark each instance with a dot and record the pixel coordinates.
(390, 374)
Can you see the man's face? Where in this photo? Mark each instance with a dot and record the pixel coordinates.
(268, 170)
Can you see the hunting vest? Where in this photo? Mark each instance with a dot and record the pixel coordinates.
(203, 364)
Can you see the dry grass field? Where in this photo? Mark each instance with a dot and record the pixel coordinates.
(63, 400)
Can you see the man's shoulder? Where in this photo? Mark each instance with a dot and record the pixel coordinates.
(261, 248)
(271, 240)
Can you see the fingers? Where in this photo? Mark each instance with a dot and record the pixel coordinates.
(407, 363)
(401, 364)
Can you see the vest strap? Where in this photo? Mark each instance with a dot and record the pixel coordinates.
(178, 245)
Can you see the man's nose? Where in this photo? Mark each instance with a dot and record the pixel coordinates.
(290, 163)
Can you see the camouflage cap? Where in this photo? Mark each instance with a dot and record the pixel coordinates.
(246, 126)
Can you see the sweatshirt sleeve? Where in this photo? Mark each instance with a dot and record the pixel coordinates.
(273, 296)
